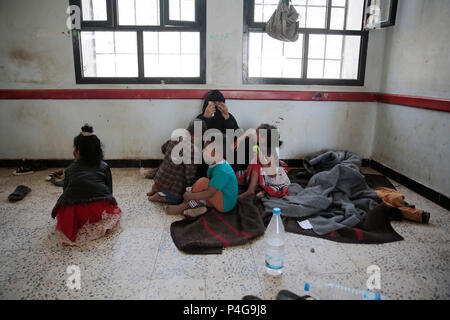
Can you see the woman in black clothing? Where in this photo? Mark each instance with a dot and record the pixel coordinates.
(215, 114)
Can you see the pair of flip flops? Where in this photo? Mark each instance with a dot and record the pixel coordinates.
(282, 295)
(57, 178)
(22, 171)
(18, 194)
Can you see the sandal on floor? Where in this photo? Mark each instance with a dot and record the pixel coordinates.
(20, 193)
(22, 171)
(251, 297)
(288, 295)
(58, 181)
(55, 174)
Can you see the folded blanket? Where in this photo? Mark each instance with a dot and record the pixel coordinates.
(374, 228)
(210, 233)
(333, 199)
(323, 161)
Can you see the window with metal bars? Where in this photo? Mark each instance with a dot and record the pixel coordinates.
(331, 48)
(140, 41)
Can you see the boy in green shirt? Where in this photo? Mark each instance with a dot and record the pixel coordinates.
(219, 190)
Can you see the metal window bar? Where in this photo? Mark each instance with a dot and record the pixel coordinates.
(112, 25)
(251, 26)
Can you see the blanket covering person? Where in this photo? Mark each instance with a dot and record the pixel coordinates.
(335, 197)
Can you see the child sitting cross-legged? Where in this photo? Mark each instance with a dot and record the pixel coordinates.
(219, 190)
(172, 178)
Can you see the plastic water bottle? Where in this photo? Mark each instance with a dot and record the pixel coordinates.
(274, 239)
(331, 291)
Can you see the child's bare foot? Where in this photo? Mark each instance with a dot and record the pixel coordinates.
(156, 197)
(195, 212)
(261, 194)
(244, 195)
(176, 209)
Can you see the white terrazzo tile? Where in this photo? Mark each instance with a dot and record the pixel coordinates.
(232, 288)
(140, 260)
(176, 289)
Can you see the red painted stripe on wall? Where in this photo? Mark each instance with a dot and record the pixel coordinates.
(418, 102)
(186, 94)
(63, 94)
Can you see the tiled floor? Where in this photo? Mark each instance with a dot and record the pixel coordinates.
(141, 261)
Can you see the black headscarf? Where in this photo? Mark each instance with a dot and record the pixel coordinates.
(217, 121)
(214, 95)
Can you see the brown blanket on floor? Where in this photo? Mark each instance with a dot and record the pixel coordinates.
(213, 231)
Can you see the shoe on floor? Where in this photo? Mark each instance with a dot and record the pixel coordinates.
(55, 174)
(288, 295)
(22, 171)
(250, 297)
(425, 217)
(18, 194)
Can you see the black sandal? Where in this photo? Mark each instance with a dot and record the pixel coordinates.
(288, 295)
(20, 193)
(22, 171)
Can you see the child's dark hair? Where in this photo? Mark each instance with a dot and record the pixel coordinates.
(269, 128)
(89, 145)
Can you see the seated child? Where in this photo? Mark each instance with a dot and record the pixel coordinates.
(172, 179)
(264, 174)
(219, 190)
(87, 209)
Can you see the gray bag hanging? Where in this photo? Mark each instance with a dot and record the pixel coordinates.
(283, 25)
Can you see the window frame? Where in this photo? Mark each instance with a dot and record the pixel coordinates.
(251, 26)
(111, 24)
(391, 19)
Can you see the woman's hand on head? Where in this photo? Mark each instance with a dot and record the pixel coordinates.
(210, 110)
(223, 110)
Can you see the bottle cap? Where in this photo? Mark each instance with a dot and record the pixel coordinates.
(276, 211)
(306, 286)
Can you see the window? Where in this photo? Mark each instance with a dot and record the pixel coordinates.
(380, 14)
(331, 48)
(140, 41)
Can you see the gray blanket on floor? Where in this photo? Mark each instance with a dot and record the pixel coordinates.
(333, 198)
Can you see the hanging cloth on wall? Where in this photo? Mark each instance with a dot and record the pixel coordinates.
(283, 24)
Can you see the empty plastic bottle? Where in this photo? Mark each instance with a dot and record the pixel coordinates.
(274, 240)
(331, 291)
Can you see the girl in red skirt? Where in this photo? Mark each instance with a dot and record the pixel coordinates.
(87, 209)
